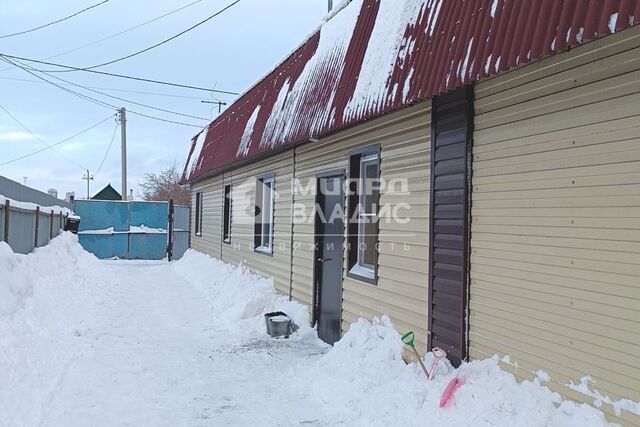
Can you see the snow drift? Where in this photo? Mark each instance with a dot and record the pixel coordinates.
(44, 303)
(365, 373)
(53, 298)
(364, 380)
(238, 298)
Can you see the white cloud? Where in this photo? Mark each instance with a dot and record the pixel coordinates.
(15, 136)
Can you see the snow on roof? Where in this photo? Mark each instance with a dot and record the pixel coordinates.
(372, 57)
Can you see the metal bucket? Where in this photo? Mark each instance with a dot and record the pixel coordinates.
(268, 316)
(279, 325)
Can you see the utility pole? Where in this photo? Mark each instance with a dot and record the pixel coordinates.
(123, 147)
(88, 178)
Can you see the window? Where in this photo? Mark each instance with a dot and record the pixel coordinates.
(226, 231)
(263, 239)
(198, 224)
(363, 213)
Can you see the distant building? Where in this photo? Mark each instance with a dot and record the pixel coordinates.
(21, 193)
(70, 197)
(107, 193)
(53, 192)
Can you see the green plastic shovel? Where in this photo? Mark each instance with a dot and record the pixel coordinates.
(408, 340)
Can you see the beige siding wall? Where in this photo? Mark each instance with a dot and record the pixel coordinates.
(243, 190)
(210, 240)
(401, 291)
(555, 277)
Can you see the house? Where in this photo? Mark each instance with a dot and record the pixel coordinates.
(107, 193)
(483, 158)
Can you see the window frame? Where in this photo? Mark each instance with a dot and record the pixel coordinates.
(227, 213)
(263, 243)
(198, 214)
(357, 269)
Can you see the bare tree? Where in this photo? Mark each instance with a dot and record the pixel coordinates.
(164, 186)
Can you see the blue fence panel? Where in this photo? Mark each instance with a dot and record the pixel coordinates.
(100, 215)
(147, 245)
(129, 221)
(149, 214)
(106, 246)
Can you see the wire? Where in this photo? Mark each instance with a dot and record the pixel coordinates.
(124, 99)
(48, 147)
(93, 100)
(54, 22)
(122, 76)
(23, 126)
(147, 49)
(113, 137)
(169, 95)
(117, 34)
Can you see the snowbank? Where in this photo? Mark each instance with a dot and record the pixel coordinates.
(57, 304)
(365, 373)
(364, 380)
(45, 299)
(238, 298)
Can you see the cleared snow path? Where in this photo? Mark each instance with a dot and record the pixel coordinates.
(157, 358)
(90, 343)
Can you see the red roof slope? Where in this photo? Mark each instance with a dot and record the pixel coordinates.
(377, 56)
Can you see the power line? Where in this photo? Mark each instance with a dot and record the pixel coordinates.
(54, 22)
(48, 147)
(147, 49)
(169, 95)
(113, 137)
(122, 76)
(93, 100)
(23, 126)
(157, 18)
(124, 99)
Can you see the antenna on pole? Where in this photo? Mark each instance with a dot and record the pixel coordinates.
(218, 103)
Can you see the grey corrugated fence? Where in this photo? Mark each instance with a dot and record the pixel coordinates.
(24, 229)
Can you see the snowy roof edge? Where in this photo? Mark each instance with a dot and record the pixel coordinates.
(335, 80)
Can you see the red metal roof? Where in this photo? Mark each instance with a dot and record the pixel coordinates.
(377, 56)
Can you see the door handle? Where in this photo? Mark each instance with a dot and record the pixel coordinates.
(324, 259)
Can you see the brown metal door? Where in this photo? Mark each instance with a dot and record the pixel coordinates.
(451, 133)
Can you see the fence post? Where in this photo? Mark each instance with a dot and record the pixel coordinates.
(170, 231)
(7, 206)
(51, 225)
(35, 244)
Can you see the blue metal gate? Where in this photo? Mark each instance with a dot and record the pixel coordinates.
(125, 230)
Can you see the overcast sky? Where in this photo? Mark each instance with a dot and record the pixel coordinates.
(230, 52)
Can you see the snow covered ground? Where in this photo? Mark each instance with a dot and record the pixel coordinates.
(91, 343)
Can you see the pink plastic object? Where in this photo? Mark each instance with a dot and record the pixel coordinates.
(450, 390)
(438, 355)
